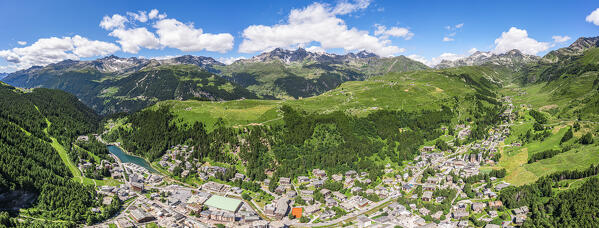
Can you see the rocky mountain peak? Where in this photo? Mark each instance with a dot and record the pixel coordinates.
(513, 58)
(584, 43)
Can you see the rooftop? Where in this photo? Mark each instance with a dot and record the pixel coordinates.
(223, 203)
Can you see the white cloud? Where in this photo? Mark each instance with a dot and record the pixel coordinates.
(447, 39)
(472, 51)
(22, 42)
(316, 49)
(455, 27)
(315, 23)
(446, 56)
(393, 31)
(140, 16)
(154, 14)
(116, 21)
(518, 39)
(420, 59)
(184, 37)
(85, 48)
(132, 40)
(436, 60)
(593, 17)
(229, 60)
(347, 7)
(51, 50)
(560, 39)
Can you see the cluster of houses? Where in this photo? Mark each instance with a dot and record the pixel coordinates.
(178, 156)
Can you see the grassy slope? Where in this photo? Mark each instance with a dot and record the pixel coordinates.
(558, 99)
(408, 91)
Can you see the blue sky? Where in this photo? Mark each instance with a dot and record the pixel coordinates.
(227, 30)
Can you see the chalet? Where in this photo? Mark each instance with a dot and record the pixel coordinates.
(319, 173)
(337, 177)
(459, 214)
(478, 207)
(356, 190)
(303, 179)
(429, 187)
(280, 190)
(427, 196)
(495, 204)
(325, 192)
(428, 148)
(284, 181)
(330, 202)
(306, 192)
(339, 196)
(350, 173)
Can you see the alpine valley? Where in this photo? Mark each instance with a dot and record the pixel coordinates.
(293, 138)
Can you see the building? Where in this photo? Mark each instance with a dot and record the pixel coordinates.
(427, 196)
(495, 204)
(284, 181)
(224, 203)
(140, 216)
(478, 207)
(136, 186)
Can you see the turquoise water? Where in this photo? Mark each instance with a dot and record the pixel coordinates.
(126, 158)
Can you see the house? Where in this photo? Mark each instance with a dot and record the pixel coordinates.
(428, 148)
(306, 192)
(319, 173)
(459, 214)
(284, 181)
(339, 196)
(490, 225)
(437, 215)
(350, 173)
(337, 177)
(423, 211)
(325, 192)
(356, 190)
(363, 221)
(429, 187)
(330, 202)
(303, 179)
(427, 196)
(478, 207)
(500, 186)
(495, 204)
(280, 189)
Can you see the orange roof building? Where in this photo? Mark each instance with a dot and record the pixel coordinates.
(297, 212)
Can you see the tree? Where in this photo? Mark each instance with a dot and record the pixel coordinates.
(569, 134)
(587, 138)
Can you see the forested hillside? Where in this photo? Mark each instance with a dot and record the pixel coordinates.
(32, 174)
(305, 134)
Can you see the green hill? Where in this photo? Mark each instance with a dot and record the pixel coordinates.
(34, 175)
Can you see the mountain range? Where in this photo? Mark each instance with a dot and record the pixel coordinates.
(513, 59)
(112, 84)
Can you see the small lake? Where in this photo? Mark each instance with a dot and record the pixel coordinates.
(126, 158)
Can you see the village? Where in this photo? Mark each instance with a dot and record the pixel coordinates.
(437, 189)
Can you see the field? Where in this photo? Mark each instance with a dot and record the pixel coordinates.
(406, 91)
